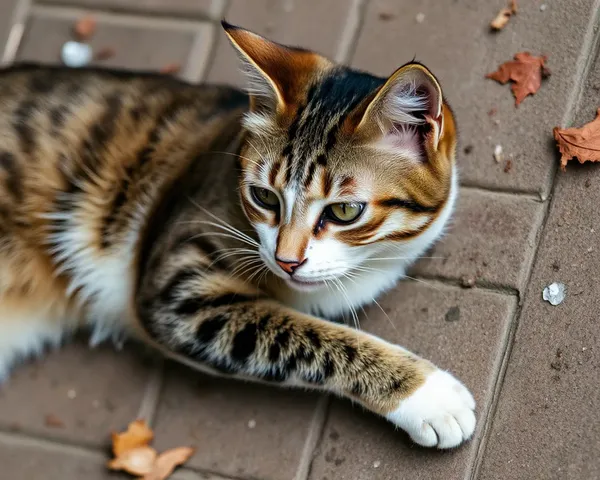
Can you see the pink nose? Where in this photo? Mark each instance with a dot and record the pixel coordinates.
(289, 266)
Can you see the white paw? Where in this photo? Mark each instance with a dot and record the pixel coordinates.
(439, 414)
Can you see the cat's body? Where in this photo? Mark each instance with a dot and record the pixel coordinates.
(198, 219)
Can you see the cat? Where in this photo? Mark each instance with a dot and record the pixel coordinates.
(230, 230)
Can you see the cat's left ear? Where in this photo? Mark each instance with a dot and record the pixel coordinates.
(277, 75)
(406, 109)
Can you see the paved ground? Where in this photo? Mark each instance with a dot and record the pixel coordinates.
(534, 368)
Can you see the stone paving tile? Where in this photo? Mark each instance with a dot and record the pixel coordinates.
(356, 445)
(210, 8)
(25, 459)
(148, 45)
(454, 41)
(239, 429)
(547, 416)
(296, 23)
(491, 240)
(90, 392)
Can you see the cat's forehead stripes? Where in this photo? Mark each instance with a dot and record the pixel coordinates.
(315, 129)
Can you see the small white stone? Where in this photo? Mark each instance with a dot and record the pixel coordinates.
(554, 293)
(76, 54)
(420, 18)
(543, 7)
(71, 394)
(252, 424)
(498, 156)
(376, 464)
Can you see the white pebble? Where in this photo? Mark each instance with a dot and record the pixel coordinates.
(76, 54)
(71, 394)
(543, 7)
(252, 424)
(376, 464)
(420, 18)
(498, 156)
(554, 293)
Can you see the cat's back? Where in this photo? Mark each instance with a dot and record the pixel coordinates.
(83, 154)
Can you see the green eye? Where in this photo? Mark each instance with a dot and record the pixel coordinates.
(265, 198)
(344, 212)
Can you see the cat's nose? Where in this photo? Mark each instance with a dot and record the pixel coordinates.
(289, 266)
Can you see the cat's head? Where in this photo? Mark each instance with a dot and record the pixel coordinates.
(339, 166)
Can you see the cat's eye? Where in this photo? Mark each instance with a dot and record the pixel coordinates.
(265, 198)
(344, 212)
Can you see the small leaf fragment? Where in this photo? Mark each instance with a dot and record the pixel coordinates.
(500, 21)
(170, 69)
(137, 461)
(581, 143)
(105, 53)
(138, 434)
(526, 73)
(167, 461)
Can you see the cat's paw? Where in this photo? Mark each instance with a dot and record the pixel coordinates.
(440, 413)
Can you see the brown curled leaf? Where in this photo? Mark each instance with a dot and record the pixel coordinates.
(500, 21)
(582, 143)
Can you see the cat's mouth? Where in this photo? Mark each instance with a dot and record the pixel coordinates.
(304, 285)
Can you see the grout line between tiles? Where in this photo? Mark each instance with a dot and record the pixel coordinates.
(535, 196)
(213, 13)
(200, 54)
(152, 393)
(585, 60)
(351, 32)
(129, 20)
(317, 425)
(435, 280)
(15, 35)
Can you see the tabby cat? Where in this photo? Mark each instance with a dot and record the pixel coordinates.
(230, 230)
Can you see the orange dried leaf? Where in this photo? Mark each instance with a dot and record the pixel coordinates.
(137, 461)
(138, 434)
(581, 143)
(85, 28)
(167, 462)
(526, 71)
(503, 16)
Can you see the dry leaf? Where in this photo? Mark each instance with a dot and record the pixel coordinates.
(503, 16)
(581, 143)
(105, 53)
(170, 69)
(85, 28)
(167, 462)
(53, 421)
(137, 461)
(138, 434)
(526, 71)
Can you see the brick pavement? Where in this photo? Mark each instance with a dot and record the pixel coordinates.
(532, 367)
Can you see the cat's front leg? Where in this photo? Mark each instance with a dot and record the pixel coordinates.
(224, 325)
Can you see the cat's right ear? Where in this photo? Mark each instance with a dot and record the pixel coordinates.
(277, 75)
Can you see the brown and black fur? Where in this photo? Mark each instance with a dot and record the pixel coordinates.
(135, 160)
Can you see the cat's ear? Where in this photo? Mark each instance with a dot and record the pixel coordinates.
(277, 75)
(405, 112)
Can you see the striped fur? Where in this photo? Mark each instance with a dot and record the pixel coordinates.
(128, 204)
